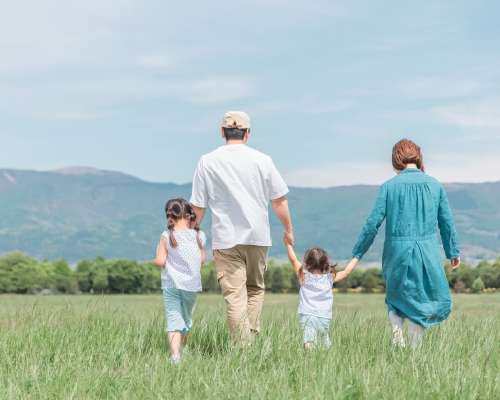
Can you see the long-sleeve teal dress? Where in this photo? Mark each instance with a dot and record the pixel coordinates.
(414, 206)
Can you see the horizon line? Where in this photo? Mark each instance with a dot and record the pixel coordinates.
(79, 170)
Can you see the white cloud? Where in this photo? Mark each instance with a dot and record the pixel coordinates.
(483, 114)
(101, 97)
(440, 87)
(445, 168)
(306, 105)
(339, 173)
(216, 89)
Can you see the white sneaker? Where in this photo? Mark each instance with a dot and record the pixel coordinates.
(175, 360)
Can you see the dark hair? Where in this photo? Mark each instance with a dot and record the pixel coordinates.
(316, 259)
(177, 209)
(235, 133)
(407, 152)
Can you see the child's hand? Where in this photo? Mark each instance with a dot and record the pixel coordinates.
(345, 273)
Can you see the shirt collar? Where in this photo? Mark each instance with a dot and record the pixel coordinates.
(410, 170)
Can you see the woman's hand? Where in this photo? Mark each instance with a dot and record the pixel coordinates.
(455, 263)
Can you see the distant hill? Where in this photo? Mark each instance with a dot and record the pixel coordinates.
(82, 212)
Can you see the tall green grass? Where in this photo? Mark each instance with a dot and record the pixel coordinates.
(113, 347)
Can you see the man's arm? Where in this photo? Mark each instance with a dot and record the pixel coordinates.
(200, 213)
(280, 208)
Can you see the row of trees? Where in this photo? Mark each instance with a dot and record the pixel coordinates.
(20, 273)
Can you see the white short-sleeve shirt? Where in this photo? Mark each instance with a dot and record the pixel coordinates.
(316, 296)
(183, 264)
(237, 182)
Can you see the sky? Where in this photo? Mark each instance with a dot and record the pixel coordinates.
(141, 86)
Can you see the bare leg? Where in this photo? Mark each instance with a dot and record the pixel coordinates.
(397, 330)
(416, 333)
(308, 345)
(184, 340)
(175, 343)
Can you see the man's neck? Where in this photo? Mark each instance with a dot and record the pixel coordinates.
(235, 141)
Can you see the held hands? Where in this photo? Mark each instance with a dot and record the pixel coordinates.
(455, 262)
(289, 238)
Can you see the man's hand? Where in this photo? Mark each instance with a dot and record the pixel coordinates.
(455, 263)
(289, 238)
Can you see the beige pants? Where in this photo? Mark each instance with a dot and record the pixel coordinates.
(240, 272)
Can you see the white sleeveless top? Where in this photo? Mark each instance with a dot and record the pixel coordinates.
(183, 265)
(316, 296)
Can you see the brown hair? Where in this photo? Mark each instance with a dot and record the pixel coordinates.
(316, 259)
(177, 209)
(407, 152)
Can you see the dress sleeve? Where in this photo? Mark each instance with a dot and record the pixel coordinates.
(372, 224)
(199, 194)
(447, 227)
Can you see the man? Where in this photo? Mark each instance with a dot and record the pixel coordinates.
(237, 183)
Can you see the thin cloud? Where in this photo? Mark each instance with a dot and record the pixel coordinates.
(445, 167)
(483, 114)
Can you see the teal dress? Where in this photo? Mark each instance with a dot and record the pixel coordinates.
(415, 206)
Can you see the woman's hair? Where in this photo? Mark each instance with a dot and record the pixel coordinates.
(175, 210)
(407, 152)
(316, 259)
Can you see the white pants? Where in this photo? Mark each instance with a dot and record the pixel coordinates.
(415, 331)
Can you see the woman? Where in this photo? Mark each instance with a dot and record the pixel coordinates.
(414, 206)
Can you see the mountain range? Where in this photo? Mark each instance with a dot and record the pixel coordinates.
(81, 212)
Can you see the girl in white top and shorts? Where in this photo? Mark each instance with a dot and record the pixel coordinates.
(180, 253)
(316, 277)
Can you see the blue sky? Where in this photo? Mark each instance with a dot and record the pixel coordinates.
(141, 86)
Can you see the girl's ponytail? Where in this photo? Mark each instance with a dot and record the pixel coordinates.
(174, 212)
(196, 227)
(170, 227)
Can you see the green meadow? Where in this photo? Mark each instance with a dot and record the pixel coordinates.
(113, 347)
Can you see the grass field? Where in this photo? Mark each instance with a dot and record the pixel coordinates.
(87, 347)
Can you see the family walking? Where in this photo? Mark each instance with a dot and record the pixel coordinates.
(237, 183)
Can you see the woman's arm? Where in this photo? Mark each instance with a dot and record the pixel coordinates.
(161, 253)
(203, 256)
(370, 229)
(447, 230)
(341, 275)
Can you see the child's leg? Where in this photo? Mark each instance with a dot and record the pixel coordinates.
(188, 303)
(416, 333)
(327, 343)
(397, 329)
(175, 322)
(308, 345)
(184, 340)
(308, 331)
(175, 343)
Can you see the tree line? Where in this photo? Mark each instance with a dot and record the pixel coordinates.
(20, 273)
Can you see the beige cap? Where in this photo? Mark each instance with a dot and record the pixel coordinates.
(236, 119)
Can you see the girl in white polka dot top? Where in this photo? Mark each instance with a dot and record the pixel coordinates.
(180, 253)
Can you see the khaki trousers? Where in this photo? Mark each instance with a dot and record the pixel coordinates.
(240, 272)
